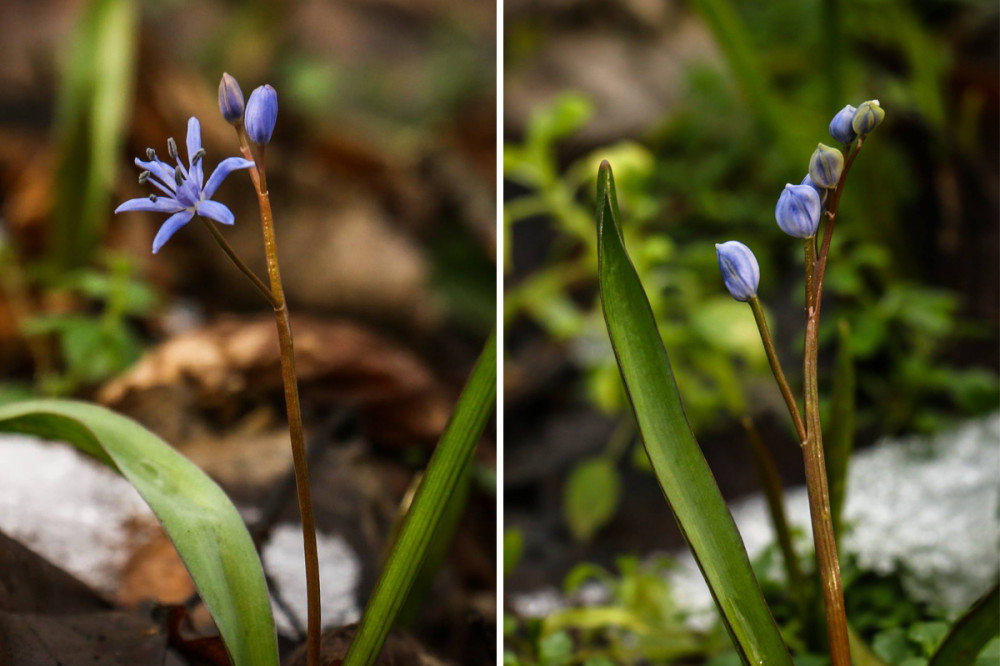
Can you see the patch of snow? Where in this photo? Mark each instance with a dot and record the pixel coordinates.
(69, 508)
(339, 574)
(84, 518)
(926, 508)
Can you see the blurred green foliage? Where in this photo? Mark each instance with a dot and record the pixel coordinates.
(94, 106)
(93, 334)
(712, 170)
(638, 621)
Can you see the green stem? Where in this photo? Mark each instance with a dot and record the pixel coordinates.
(246, 270)
(295, 429)
(771, 483)
(779, 375)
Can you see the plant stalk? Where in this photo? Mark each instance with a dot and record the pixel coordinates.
(817, 485)
(771, 483)
(779, 375)
(288, 376)
(239, 263)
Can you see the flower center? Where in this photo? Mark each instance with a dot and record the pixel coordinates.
(188, 193)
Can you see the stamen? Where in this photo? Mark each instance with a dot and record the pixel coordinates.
(143, 177)
(150, 154)
(152, 197)
(178, 177)
(172, 147)
(198, 155)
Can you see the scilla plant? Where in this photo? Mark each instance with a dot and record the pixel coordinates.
(680, 467)
(202, 522)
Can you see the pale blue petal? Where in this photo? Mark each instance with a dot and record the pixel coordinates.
(161, 205)
(170, 227)
(216, 211)
(226, 167)
(193, 146)
(160, 170)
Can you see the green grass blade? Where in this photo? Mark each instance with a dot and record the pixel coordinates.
(970, 633)
(840, 440)
(677, 460)
(95, 100)
(197, 515)
(444, 472)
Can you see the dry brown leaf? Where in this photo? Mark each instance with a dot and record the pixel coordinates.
(234, 364)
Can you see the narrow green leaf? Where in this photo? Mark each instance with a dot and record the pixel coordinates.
(971, 632)
(452, 455)
(677, 460)
(197, 515)
(839, 442)
(94, 102)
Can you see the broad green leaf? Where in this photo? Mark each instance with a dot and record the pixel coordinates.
(197, 515)
(677, 460)
(839, 442)
(971, 632)
(444, 472)
(590, 497)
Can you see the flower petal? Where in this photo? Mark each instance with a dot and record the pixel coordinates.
(226, 167)
(216, 211)
(160, 170)
(161, 205)
(170, 227)
(193, 146)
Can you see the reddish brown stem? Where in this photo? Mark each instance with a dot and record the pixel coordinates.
(812, 449)
(288, 376)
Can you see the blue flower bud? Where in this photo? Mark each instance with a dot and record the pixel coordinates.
(740, 270)
(821, 191)
(840, 126)
(230, 100)
(868, 116)
(261, 114)
(798, 211)
(825, 166)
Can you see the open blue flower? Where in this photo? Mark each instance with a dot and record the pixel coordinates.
(185, 192)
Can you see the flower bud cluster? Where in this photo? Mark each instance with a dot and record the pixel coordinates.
(258, 115)
(800, 207)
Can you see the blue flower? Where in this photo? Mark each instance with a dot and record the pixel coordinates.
(798, 211)
(184, 191)
(740, 270)
(840, 126)
(261, 114)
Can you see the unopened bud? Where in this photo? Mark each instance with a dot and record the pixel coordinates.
(739, 268)
(840, 126)
(261, 114)
(868, 116)
(825, 165)
(821, 191)
(230, 100)
(798, 211)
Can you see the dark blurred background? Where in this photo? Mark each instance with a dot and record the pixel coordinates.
(705, 110)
